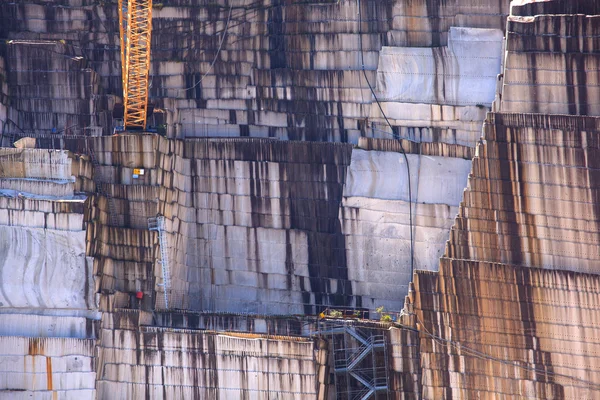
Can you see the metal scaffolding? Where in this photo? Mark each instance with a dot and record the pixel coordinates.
(360, 362)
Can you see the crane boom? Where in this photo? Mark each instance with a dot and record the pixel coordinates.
(135, 28)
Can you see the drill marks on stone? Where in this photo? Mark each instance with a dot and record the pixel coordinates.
(303, 182)
(193, 364)
(517, 312)
(552, 65)
(318, 42)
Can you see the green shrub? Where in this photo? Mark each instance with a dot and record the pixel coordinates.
(382, 316)
(386, 318)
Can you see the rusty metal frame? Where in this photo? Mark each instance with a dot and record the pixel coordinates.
(135, 28)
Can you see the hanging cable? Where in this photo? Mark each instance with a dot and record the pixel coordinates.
(410, 214)
(514, 363)
(216, 55)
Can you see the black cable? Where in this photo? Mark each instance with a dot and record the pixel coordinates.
(514, 363)
(410, 214)
(15, 124)
(212, 64)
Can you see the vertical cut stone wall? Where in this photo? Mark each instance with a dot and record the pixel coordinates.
(376, 219)
(285, 70)
(168, 363)
(47, 301)
(118, 238)
(552, 62)
(50, 88)
(516, 296)
(254, 225)
(513, 311)
(269, 227)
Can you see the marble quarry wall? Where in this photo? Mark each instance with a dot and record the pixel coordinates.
(512, 311)
(3, 94)
(50, 90)
(375, 219)
(271, 69)
(438, 94)
(158, 355)
(118, 239)
(255, 223)
(51, 367)
(504, 298)
(169, 363)
(552, 63)
(517, 282)
(245, 217)
(268, 227)
(47, 297)
(42, 230)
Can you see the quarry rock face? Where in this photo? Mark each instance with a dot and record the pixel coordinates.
(429, 164)
(270, 69)
(268, 211)
(202, 365)
(48, 309)
(518, 263)
(268, 227)
(550, 64)
(511, 312)
(253, 226)
(376, 219)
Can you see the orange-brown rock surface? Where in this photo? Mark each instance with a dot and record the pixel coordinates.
(514, 310)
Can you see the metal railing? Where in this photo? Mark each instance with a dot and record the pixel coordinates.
(367, 379)
(352, 346)
(157, 224)
(358, 354)
(203, 299)
(364, 394)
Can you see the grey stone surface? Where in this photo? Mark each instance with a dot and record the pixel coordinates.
(285, 70)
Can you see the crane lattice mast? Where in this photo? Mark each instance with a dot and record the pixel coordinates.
(135, 28)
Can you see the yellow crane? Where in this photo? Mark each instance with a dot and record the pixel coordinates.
(135, 28)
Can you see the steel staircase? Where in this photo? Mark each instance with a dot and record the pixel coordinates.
(359, 354)
(349, 360)
(371, 385)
